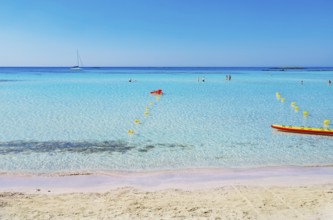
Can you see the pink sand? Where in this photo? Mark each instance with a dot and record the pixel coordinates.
(190, 179)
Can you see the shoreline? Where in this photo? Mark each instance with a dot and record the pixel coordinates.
(187, 179)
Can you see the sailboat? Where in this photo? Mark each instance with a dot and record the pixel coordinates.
(78, 62)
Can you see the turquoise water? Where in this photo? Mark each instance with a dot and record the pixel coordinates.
(56, 120)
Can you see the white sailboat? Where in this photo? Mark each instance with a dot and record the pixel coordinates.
(78, 65)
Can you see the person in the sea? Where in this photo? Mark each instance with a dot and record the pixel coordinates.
(229, 77)
(130, 80)
(329, 82)
(203, 79)
(302, 82)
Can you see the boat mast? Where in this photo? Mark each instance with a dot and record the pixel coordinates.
(77, 57)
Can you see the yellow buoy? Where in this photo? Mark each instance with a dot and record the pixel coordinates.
(282, 99)
(136, 121)
(146, 113)
(147, 108)
(150, 103)
(326, 122)
(296, 108)
(130, 131)
(305, 114)
(293, 104)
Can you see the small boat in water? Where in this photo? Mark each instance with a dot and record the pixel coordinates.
(303, 130)
(78, 62)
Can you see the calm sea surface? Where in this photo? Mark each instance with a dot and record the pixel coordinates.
(57, 120)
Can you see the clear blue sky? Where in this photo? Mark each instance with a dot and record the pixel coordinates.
(166, 32)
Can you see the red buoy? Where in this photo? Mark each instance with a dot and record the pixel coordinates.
(157, 92)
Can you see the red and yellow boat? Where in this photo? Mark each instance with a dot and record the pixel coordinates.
(303, 130)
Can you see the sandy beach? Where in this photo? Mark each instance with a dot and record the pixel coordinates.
(269, 193)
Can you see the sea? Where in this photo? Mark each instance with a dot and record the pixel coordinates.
(54, 120)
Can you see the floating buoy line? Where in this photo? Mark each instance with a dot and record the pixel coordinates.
(157, 94)
(301, 129)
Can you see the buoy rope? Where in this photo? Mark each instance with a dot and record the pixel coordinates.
(137, 121)
(326, 122)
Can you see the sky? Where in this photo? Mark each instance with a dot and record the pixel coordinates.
(162, 33)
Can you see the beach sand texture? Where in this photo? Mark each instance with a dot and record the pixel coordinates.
(229, 202)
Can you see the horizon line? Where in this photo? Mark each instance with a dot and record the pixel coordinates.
(280, 67)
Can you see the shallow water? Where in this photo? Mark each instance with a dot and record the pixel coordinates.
(55, 120)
